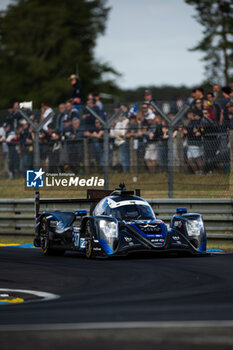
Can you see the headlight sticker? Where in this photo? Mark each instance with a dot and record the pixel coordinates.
(108, 228)
(193, 227)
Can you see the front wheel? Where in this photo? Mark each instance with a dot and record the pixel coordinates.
(88, 241)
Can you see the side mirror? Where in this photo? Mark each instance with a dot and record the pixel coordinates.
(80, 212)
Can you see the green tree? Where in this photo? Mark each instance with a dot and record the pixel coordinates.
(43, 41)
(216, 18)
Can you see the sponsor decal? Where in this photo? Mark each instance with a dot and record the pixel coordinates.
(178, 224)
(149, 228)
(128, 239)
(157, 240)
(176, 238)
(82, 243)
(112, 204)
(76, 239)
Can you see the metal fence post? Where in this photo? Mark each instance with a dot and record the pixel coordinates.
(36, 151)
(106, 158)
(170, 161)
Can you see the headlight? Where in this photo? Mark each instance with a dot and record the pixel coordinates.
(109, 228)
(194, 227)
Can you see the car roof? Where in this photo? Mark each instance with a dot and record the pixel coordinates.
(116, 201)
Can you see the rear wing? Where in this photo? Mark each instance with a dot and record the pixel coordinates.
(38, 201)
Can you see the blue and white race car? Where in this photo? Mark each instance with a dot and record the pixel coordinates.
(120, 223)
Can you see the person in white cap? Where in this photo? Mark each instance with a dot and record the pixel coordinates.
(76, 88)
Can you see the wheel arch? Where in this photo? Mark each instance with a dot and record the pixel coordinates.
(84, 222)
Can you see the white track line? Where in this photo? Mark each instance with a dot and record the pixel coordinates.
(117, 325)
(46, 296)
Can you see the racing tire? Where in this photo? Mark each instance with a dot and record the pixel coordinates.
(88, 241)
(45, 242)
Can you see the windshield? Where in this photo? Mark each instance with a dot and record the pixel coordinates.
(133, 211)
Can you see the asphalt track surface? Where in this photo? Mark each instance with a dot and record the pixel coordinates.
(138, 302)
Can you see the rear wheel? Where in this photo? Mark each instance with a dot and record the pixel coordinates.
(45, 242)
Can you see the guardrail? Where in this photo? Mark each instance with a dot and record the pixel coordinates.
(17, 215)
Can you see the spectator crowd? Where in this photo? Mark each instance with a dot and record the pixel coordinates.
(139, 136)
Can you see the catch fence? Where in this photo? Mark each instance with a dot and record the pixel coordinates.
(152, 153)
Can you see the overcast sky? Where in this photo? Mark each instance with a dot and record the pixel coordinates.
(148, 40)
